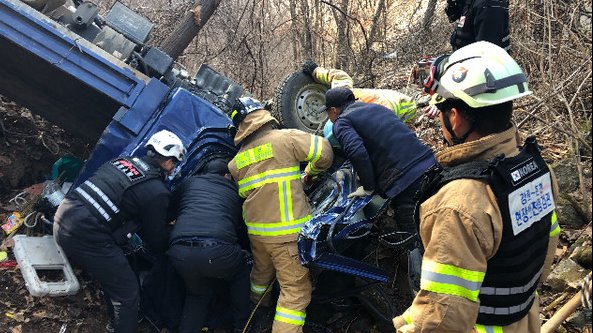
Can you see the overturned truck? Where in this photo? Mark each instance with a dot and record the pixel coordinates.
(96, 77)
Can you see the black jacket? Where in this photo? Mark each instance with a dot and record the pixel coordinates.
(145, 203)
(208, 206)
(385, 153)
(486, 20)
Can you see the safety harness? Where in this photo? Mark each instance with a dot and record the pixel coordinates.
(523, 188)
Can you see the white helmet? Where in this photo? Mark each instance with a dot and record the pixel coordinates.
(480, 74)
(167, 144)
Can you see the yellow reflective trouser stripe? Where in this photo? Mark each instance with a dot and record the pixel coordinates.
(290, 316)
(451, 280)
(408, 316)
(254, 155)
(488, 329)
(268, 177)
(276, 228)
(258, 289)
(285, 198)
(555, 228)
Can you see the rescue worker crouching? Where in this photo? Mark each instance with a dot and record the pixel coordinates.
(96, 216)
(488, 242)
(276, 207)
(387, 156)
(204, 245)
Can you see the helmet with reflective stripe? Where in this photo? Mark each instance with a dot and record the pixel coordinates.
(167, 144)
(480, 74)
(243, 107)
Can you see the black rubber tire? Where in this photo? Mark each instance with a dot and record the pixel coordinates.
(292, 99)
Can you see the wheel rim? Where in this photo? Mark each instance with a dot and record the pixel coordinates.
(310, 105)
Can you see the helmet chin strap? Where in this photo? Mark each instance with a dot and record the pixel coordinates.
(456, 140)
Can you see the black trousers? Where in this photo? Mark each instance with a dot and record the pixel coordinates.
(104, 260)
(202, 268)
(404, 206)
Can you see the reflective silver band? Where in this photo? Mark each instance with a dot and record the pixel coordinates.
(94, 203)
(103, 196)
(488, 310)
(514, 290)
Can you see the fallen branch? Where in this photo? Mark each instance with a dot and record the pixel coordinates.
(559, 317)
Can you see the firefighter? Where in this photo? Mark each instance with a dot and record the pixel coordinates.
(402, 105)
(488, 242)
(479, 20)
(387, 156)
(205, 244)
(276, 207)
(97, 216)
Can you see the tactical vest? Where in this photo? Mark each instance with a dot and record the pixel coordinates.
(103, 192)
(464, 33)
(523, 189)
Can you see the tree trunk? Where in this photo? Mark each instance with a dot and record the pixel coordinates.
(308, 38)
(342, 50)
(376, 20)
(188, 28)
(294, 31)
(428, 15)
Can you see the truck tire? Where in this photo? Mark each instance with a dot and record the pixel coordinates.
(299, 102)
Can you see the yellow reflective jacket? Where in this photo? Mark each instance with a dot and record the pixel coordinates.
(402, 105)
(267, 171)
(461, 229)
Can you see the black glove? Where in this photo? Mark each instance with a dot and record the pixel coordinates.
(454, 9)
(309, 66)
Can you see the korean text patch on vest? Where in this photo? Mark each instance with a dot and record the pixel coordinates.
(254, 155)
(531, 202)
(128, 169)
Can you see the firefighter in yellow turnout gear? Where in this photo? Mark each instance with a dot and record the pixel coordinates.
(276, 207)
(402, 105)
(488, 243)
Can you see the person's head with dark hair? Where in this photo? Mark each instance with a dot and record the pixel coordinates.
(336, 100)
(217, 166)
(474, 89)
(480, 121)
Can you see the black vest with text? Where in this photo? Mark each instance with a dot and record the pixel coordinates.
(523, 188)
(104, 190)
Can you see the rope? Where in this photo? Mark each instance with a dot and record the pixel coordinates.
(19, 200)
(268, 288)
(35, 221)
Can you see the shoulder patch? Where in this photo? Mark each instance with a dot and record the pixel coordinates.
(128, 169)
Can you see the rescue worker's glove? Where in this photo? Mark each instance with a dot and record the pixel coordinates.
(422, 101)
(309, 66)
(309, 180)
(431, 111)
(359, 193)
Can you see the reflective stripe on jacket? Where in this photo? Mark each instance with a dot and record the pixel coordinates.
(402, 105)
(461, 229)
(267, 171)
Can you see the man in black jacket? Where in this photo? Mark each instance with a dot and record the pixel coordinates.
(478, 20)
(95, 218)
(204, 245)
(387, 156)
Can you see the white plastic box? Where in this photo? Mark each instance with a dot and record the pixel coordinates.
(42, 253)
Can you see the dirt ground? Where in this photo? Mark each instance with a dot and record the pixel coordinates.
(28, 148)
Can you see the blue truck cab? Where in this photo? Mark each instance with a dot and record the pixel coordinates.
(65, 66)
